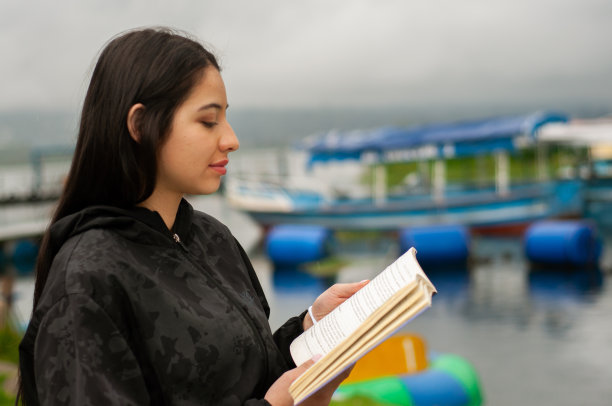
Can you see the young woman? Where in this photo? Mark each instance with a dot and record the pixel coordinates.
(139, 299)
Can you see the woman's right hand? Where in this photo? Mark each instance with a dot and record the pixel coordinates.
(278, 394)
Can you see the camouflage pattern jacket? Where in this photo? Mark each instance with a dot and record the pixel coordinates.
(133, 315)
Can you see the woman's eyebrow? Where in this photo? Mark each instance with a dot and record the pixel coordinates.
(212, 106)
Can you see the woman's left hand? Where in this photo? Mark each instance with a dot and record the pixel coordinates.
(330, 299)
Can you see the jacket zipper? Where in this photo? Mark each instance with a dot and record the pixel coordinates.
(177, 239)
(245, 315)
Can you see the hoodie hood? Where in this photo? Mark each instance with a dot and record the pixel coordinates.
(134, 223)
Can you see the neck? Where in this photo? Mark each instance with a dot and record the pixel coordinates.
(166, 206)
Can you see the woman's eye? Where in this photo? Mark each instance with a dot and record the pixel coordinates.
(209, 124)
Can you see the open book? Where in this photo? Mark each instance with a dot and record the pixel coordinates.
(375, 312)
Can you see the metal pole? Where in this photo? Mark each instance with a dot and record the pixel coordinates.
(502, 175)
(380, 184)
(439, 180)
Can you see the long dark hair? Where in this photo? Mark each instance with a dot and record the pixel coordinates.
(157, 67)
(154, 66)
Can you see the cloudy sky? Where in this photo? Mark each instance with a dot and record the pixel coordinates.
(317, 53)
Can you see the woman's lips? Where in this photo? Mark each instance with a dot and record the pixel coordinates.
(219, 167)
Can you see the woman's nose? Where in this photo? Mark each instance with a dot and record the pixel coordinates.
(229, 140)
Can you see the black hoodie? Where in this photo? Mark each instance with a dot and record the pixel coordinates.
(135, 314)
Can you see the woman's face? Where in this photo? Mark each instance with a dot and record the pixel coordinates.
(193, 157)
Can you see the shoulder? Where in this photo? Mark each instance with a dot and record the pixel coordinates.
(86, 263)
(213, 233)
(81, 276)
(201, 219)
(97, 266)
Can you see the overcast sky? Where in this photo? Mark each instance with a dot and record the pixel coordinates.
(318, 53)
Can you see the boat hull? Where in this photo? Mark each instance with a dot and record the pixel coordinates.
(482, 211)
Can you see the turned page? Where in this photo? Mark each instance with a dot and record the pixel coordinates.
(346, 318)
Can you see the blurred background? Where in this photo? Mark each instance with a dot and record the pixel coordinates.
(299, 75)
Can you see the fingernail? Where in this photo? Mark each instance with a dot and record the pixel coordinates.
(365, 280)
(316, 357)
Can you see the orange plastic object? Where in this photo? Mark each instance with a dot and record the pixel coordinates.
(400, 354)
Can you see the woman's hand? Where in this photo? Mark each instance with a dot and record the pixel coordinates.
(278, 394)
(330, 299)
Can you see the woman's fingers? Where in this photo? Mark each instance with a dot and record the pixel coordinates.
(278, 394)
(330, 299)
(346, 290)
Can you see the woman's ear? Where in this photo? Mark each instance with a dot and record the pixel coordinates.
(133, 120)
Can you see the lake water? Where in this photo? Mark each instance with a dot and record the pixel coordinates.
(534, 337)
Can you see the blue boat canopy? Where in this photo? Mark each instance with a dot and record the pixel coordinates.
(394, 144)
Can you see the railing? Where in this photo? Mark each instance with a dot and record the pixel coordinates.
(37, 180)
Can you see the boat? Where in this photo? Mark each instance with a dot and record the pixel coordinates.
(591, 143)
(489, 174)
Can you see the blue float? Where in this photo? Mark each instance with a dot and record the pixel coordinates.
(437, 244)
(296, 244)
(24, 256)
(2, 259)
(449, 380)
(562, 242)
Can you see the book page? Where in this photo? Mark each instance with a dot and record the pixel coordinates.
(323, 365)
(406, 304)
(328, 370)
(346, 318)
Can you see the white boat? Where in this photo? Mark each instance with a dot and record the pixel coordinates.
(431, 193)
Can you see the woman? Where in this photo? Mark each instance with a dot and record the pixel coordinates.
(138, 298)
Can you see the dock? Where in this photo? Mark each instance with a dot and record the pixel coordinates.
(28, 229)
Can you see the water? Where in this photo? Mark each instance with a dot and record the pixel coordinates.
(535, 338)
